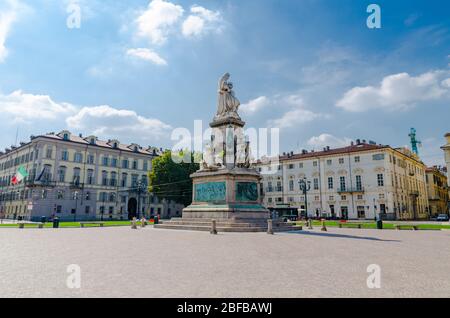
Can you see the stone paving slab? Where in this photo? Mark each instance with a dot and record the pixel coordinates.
(120, 262)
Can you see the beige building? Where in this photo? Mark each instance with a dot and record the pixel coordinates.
(437, 191)
(79, 178)
(355, 182)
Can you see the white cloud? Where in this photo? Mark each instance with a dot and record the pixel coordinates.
(156, 21)
(8, 15)
(295, 117)
(297, 114)
(201, 21)
(25, 107)
(324, 140)
(147, 55)
(106, 121)
(255, 105)
(397, 92)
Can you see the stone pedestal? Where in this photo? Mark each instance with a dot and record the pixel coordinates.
(226, 194)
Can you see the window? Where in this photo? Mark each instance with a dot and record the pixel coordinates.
(342, 183)
(104, 178)
(90, 159)
(112, 197)
(135, 165)
(105, 161)
(379, 156)
(60, 195)
(343, 197)
(290, 166)
(361, 212)
(90, 176)
(300, 165)
(134, 180)
(113, 181)
(358, 183)
(329, 162)
(76, 175)
(145, 166)
(124, 179)
(341, 161)
(87, 196)
(316, 184)
(48, 153)
(314, 163)
(357, 159)
(62, 174)
(291, 185)
(330, 183)
(125, 164)
(114, 162)
(58, 209)
(359, 197)
(380, 180)
(87, 209)
(78, 157)
(64, 155)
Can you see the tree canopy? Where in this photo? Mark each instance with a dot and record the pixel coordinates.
(170, 180)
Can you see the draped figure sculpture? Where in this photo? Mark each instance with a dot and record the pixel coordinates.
(227, 104)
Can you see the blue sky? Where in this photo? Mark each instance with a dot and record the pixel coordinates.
(135, 70)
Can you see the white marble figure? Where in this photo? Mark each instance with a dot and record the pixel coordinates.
(227, 104)
(208, 161)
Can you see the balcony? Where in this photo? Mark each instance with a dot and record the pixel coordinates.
(351, 190)
(76, 185)
(40, 183)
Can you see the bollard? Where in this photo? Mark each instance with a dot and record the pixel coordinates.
(143, 222)
(133, 224)
(213, 227)
(310, 224)
(324, 228)
(270, 227)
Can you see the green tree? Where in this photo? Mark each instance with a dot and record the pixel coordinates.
(170, 180)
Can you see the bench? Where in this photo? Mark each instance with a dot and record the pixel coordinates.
(101, 224)
(22, 225)
(341, 225)
(406, 226)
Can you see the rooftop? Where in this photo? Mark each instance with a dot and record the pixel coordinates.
(92, 140)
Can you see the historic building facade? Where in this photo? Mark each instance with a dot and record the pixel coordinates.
(446, 149)
(355, 182)
(79, 178)
(437, 191)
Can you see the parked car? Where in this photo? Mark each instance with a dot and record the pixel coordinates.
(442, 218)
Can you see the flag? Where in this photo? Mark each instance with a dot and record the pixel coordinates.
(19, 176)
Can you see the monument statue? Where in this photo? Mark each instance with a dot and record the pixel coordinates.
(227, 104)
(227, 189)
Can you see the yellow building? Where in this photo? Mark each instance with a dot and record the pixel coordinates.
(437, 191)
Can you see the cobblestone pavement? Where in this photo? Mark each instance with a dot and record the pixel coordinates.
(120, 262)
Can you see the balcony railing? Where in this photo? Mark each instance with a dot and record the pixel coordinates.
(351, 190)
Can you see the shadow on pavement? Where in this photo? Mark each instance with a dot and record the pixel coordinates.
(325, 234)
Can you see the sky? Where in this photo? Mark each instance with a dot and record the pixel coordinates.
(135, 70)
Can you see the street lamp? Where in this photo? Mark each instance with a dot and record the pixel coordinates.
(140, 188)
(75, 196)
(305, 186)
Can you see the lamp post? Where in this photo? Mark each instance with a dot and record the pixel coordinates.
(75, 196)
(140, 188)
(305, 186)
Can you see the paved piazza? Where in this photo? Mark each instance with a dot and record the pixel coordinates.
(120, 262)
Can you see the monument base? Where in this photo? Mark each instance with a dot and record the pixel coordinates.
(240, 210)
